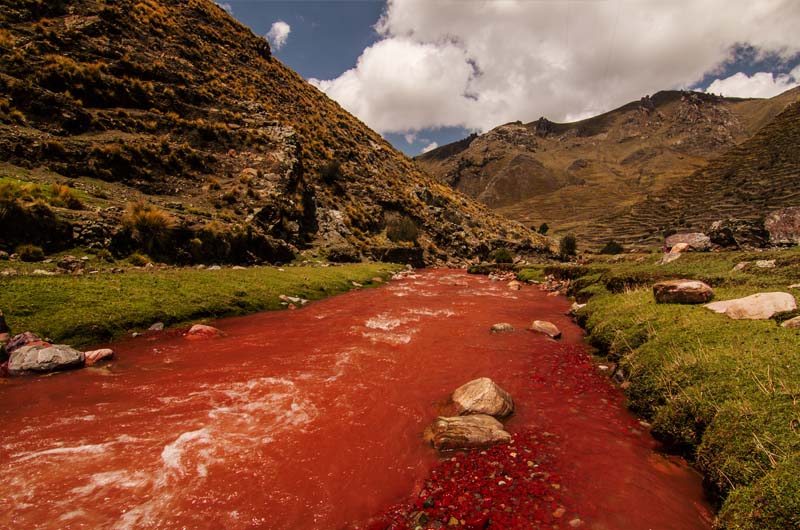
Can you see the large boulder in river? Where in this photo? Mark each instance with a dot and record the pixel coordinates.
(682, 292)
(201, 331)
(738, 233)
(466, 432)
(784, 226)
(39, 358)
(546, 328)
(696, 241)
(501, 327)
(759, 306)
(483, 396)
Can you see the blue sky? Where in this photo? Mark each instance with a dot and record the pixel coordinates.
(435, 70)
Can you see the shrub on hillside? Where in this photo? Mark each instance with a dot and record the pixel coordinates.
(401, 228)
(138, 260)
(149, 226)
(331, 172)
(543, 228)
(568, 246)
(501, 255)
(30, 253)
(612, 247)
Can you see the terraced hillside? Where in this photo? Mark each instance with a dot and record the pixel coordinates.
(570, 174)
(749, 181)
(166, 127)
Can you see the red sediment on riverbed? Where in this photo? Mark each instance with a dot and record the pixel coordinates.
(313, 419)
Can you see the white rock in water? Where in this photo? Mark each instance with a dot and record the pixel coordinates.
(483, 396)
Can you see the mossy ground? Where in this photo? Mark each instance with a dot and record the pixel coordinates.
(88, 309)
(726, 393)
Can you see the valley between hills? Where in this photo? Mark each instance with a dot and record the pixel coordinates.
(161, 170)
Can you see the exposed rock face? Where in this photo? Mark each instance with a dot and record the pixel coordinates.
(466, 432)
(759, 306)
(39, 358)
(502, 327)
(201, 331)
(547, 328)
(784, 226)
(682, 292)
(483, 396)
(738, 233)
(92, 357)
(696, 241)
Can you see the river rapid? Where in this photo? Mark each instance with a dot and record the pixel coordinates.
(313, 419)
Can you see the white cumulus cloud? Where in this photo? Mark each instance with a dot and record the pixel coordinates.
(278, 34)
(226, 6)
(758, 85)
(479, 64)
(430, 147)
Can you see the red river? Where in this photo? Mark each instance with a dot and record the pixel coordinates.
(313, 419)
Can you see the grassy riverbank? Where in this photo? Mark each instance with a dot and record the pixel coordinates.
(724, 392)
(88, 309)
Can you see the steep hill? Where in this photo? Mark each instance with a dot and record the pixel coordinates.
(569, 174)
(747, 182)
(165, 126)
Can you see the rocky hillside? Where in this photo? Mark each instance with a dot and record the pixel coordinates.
(748, 182)
(166, 127)
(569, 174)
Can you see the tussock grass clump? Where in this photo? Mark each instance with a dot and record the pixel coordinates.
(149, 225)
(401, 228)
(30, 253)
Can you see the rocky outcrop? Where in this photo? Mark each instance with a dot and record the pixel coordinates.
(546, 328)
(759, 306)
(94, 356)
(39, 358)
(738, 234)
(466, 432)
(682, 292)
(695, 241)
(502, 327)
(784, 226)
(483, 396)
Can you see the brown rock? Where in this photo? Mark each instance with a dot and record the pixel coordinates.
(483, 396)
(784, 226)
(94, 356)
(792, 323)
(514, 285)
(466, 432)
(696, 241)
(759, 306)
(200, 331)
(548, 328)
(502, 327)
(682, 292)
(22, 339)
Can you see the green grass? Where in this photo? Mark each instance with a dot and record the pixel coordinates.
(88, 309)
(726, 393)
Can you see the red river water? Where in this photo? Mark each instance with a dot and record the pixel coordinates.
(312, 419)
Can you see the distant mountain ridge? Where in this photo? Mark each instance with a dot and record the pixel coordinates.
(175, 105)
(570, 175)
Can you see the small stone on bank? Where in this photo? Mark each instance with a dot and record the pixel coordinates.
(792, 323)
(158, 326)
